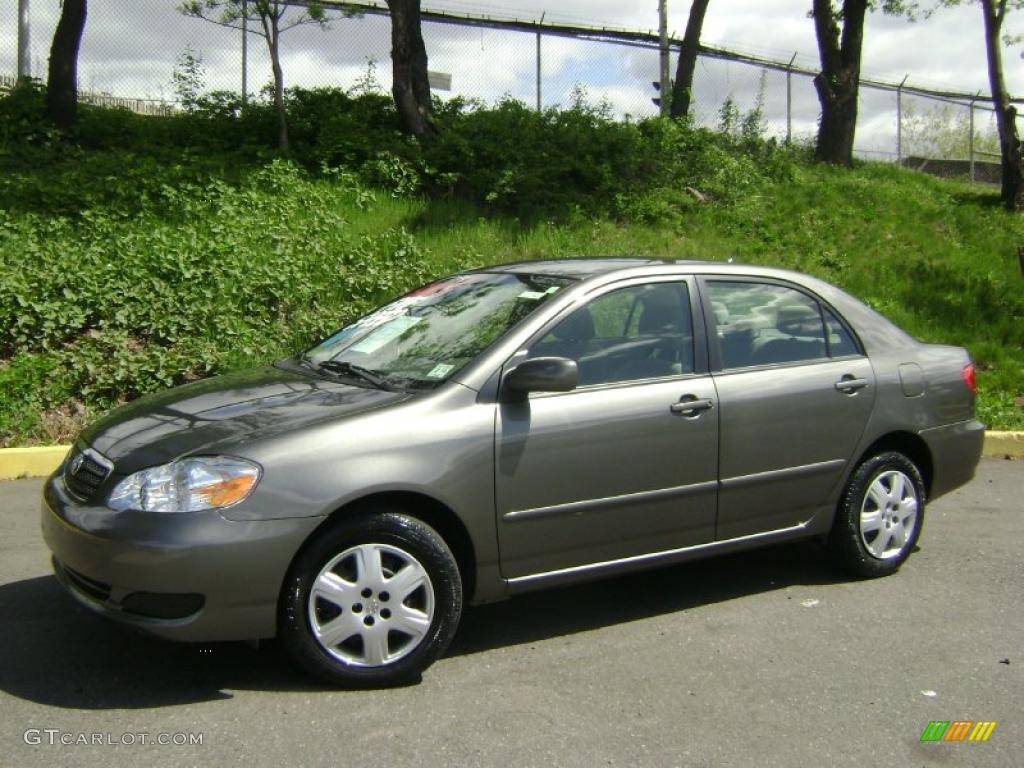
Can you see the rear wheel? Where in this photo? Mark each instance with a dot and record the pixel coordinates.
(879, 516)
(373, 601)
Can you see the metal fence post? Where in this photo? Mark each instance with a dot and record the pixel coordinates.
(789, 100)
(899, 121)
(665, 77)
(539, 79)
(970, 140)
(245, 52)
(24, 56)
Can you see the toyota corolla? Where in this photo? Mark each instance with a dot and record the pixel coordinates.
(503, 430)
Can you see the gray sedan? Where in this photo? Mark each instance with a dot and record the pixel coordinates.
(504, 430)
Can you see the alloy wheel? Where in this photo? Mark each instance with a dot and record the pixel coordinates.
(371, 605)
(888, 514)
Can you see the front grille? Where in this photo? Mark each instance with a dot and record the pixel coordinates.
(84, 472)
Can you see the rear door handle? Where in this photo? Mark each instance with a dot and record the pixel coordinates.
(691, 406)
(848, 384)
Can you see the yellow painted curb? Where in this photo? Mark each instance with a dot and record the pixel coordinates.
(1004, 444)
(37, 461)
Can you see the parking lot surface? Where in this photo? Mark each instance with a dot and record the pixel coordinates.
(766, 658)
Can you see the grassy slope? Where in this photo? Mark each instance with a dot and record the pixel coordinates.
(939, 258)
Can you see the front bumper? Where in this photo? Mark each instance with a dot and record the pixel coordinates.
(193, 576)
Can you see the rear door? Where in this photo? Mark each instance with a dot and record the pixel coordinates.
(795, 392)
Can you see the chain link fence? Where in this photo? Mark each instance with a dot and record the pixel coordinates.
(131, 48)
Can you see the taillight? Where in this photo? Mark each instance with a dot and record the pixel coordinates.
(969, 380)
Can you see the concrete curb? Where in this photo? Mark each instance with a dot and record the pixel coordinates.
(1004, 444)
(39, 461)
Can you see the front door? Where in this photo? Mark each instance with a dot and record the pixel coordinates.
(627, 463)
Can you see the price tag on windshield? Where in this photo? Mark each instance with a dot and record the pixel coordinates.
(381, 335)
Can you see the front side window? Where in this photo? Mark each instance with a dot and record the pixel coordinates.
(425, 337)
(633, 333)
(765, 324)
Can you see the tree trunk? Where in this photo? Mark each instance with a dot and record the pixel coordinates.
(62, 79)
(282, 114)
(1006, 113)
(411, 89)
(271, 18)
(839, 80)
(682, 91)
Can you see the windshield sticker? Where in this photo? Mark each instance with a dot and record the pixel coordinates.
(336, 337)
(532, 295)
(439, 371)
(553, 289)
(384, 315)
(382, 334)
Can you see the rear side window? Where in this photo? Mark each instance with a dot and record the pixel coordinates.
(766, 324)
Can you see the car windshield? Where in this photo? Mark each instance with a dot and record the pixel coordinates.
(425, 337)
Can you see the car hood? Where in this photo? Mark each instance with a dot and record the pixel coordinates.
(221, 414)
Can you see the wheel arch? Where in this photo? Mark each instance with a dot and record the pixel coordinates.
(425, 508)
(910, 445)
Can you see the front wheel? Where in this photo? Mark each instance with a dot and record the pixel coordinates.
(372, 601)
(879, 516)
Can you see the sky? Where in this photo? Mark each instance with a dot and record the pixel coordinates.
(130, 48)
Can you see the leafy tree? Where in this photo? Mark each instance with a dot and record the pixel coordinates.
(274, 20)
(367, 82)
(62, 80)
(682, 91)
(410, 85)
(838, 83)
(994, 13)
(187, 79)
(748, 126)
(944, 132)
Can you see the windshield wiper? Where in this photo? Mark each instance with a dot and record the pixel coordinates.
(353, 370)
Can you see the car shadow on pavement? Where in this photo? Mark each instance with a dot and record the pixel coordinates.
(57, 653)
(553, 613)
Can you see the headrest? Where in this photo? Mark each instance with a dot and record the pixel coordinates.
(798, 320)
(579, 326)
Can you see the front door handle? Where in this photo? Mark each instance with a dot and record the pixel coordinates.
(849, 385)
(691, 406)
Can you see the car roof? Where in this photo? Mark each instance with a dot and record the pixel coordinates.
(584, 268)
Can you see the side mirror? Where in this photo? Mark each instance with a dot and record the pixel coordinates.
(543, 374)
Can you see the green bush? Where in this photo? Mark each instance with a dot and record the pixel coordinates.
(201, 278)
(21, 119)
(508, 159)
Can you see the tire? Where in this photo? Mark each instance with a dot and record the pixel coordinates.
(371, 602)
(879, 518)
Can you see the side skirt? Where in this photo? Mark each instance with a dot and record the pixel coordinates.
(592, 571)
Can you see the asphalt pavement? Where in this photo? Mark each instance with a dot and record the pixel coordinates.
(766, 658)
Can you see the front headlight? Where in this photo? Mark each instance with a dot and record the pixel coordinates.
(188, 485)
